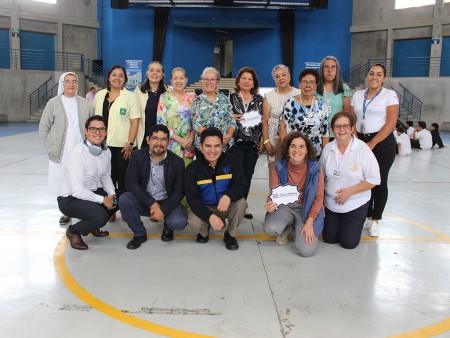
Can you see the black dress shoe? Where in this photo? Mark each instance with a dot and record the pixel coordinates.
(231, 242)
(201, 239)
(167, 235)
(248, 216)
(64, 220)
(76, 241)
(136, 242)
(99, 233)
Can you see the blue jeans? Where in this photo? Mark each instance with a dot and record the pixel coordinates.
(132, 210)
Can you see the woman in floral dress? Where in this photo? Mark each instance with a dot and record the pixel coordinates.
(174, 111)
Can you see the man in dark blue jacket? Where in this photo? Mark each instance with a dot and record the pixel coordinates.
(155, 186)
(215, 190)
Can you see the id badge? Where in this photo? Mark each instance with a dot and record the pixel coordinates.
(328, 109)
(309, 121)
(337, 173)
(123, 111)
(362, 128)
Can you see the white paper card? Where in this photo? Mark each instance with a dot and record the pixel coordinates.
(285, 194)
(251, 119)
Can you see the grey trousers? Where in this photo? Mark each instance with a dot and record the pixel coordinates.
(235, 214)
(275, 222)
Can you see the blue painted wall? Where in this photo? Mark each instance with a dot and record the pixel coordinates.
(38, 51)
(128, 34)
(445, 61)
(417, 52)
(4, 48)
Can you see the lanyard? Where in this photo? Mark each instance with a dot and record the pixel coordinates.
(245, 104)
(325, 96)
(309, 113)
(340, 161)
(365, 99)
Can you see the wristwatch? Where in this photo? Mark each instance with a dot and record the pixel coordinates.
(130, 144)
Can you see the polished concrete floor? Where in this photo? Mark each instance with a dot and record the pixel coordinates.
(395, 286)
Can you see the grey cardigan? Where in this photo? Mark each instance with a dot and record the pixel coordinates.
(53, 125)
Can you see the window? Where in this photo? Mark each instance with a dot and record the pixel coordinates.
(400, 4)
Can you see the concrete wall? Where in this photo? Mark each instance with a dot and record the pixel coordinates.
(14, 100)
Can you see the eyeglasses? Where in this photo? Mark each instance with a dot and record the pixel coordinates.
(327, 67)
(94, 130)
(70, 82)
(209, 80)
(305, 83)
(156, 139)
(342, 126)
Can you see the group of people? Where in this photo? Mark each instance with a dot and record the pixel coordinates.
(419, 137)
(161, 145)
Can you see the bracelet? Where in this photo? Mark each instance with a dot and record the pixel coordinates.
(266, 141)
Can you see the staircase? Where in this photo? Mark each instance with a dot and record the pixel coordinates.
(410, 106)
(225, 85)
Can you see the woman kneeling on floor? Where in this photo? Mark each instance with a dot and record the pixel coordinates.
(351, 170)
(297, 168)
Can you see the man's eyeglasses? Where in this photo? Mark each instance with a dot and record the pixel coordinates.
(94, 130)
(156, 138)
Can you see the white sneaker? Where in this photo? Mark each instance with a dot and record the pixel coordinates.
(373, 229)
(367, 223)
(283, 239)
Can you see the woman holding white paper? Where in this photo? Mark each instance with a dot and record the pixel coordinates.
(247, 110)
(297, 168)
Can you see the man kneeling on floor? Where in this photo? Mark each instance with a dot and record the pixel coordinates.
(155, 186)
(89, 166)
(215, 190)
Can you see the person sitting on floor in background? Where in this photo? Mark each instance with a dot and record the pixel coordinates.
(89, 167)
(403, 142)
(436, 138)
(215, 190)
(154, 180)
(422, 138)
(409, 128)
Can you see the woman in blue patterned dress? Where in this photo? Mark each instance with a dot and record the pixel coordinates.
(306, 112)
(212, 109)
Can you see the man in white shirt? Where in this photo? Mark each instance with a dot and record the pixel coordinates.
(403, 142)
(422, 138)
(89, 166)
(409, 128)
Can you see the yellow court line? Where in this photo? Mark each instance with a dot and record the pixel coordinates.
(428, 331)
(81, 293)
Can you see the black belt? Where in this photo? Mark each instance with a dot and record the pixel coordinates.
(367, 135)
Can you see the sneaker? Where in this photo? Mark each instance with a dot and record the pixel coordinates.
(367, 223)
(373, 229)
(283, 239)
(64, 220)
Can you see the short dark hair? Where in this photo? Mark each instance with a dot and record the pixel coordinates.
(400, 129)
(94, 118)
(422, 124)
(250, 70)
(435, 125)
(158, 127)
(309, 71)
(311, 154)
(409, 123)
(108, 84)
(343, 114)
(210, 131)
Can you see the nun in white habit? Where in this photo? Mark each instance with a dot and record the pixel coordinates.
(61, 128)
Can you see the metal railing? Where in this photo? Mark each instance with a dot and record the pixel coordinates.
(33, 59)
(40, 96)
(356, 75)
(415, 66)
(410, 106)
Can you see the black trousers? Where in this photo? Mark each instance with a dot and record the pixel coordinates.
(118, 170)
(92, 215)
(248, 156)
(344, 228)
(385, 155)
